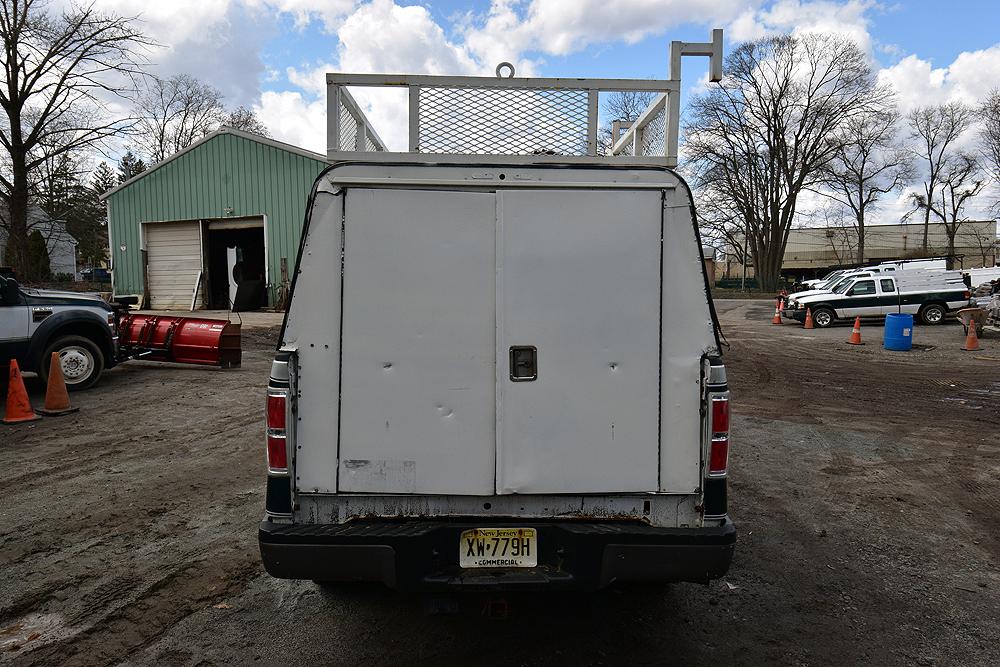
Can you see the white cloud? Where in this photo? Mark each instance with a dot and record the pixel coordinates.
(293, 119)
(385, 37)
(173, 22)
(967, 79)
(560, 27)
(380, 37)
(796, 16)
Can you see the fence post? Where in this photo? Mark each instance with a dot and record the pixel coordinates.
(414, 119)
(332, 118)
(592, 100)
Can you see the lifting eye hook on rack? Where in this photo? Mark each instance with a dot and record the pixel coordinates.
(501, 67)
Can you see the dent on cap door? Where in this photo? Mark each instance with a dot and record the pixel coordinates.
(418, 375)
(578, 357)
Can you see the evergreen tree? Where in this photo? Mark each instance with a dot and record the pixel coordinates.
(38, 258)
(103, 179)
(129, 166)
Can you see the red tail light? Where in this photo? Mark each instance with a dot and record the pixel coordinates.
(277, 456)
(720, 415)
(276, 411)
(277, 449)
(718, 454)
(718, 460)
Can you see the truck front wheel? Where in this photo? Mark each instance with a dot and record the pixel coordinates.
(81, 361)
(932, 314)
(823, 317)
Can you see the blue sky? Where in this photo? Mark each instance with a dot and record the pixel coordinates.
(272, 54)
(936, 31)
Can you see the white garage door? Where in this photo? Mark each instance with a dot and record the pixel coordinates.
(173, 252)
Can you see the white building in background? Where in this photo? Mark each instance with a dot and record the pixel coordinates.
(815, 250)
(60, 243)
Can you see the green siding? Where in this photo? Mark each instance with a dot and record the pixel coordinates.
(227, 171)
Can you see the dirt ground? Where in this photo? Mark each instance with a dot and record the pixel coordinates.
(864, 485)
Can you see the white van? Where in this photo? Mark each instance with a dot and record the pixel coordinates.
(497, 372)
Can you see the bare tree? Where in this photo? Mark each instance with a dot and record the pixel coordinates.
(867, 163)
(935, 130)
(174, 113)
(985, 240)
(764, 135)
(59, 71)
(989, 137)
(244, 118)
(625, 107)
(839, 229)
(960, 179)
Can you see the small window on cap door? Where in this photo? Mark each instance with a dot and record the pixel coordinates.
(887, 286)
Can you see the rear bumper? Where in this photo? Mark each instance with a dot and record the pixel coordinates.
(423, 555)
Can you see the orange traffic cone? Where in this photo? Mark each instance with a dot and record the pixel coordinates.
(855, 338)
(18, 405)
(777, 316)
(971, 340)
(56, 396)
(809, 319)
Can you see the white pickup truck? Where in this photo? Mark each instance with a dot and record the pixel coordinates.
(930, 295)
(499, 373)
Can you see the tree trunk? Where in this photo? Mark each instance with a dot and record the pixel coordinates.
(927, 224)
(767, 267)
(861, 238)
(950, 262)
(16, 253)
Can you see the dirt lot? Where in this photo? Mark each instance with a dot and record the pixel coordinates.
(864, 485)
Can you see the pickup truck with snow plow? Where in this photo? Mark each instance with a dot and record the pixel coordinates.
(91, 335)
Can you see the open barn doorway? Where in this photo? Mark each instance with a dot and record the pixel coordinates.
(236, 264)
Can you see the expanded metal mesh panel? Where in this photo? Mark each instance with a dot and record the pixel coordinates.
(504, 121)
(370, 145)
(348, 129)
(653, 135)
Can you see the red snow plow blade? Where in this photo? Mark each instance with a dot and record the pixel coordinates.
(183, 340)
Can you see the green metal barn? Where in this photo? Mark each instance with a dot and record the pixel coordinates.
(214, 224)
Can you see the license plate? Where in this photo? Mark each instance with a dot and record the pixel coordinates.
(498, 547)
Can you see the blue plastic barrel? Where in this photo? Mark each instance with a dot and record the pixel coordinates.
(898, 332)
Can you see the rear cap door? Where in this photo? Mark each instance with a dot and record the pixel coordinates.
(578, 308)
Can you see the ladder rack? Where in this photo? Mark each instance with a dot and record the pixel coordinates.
(515, 120)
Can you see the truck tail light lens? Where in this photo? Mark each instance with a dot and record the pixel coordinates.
(720, 416)
(718, 455)
(276, 411)
(277, 455)
(277, 449)
(718, 459)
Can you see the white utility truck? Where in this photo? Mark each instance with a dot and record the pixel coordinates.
(500, 363)
(930, 294)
